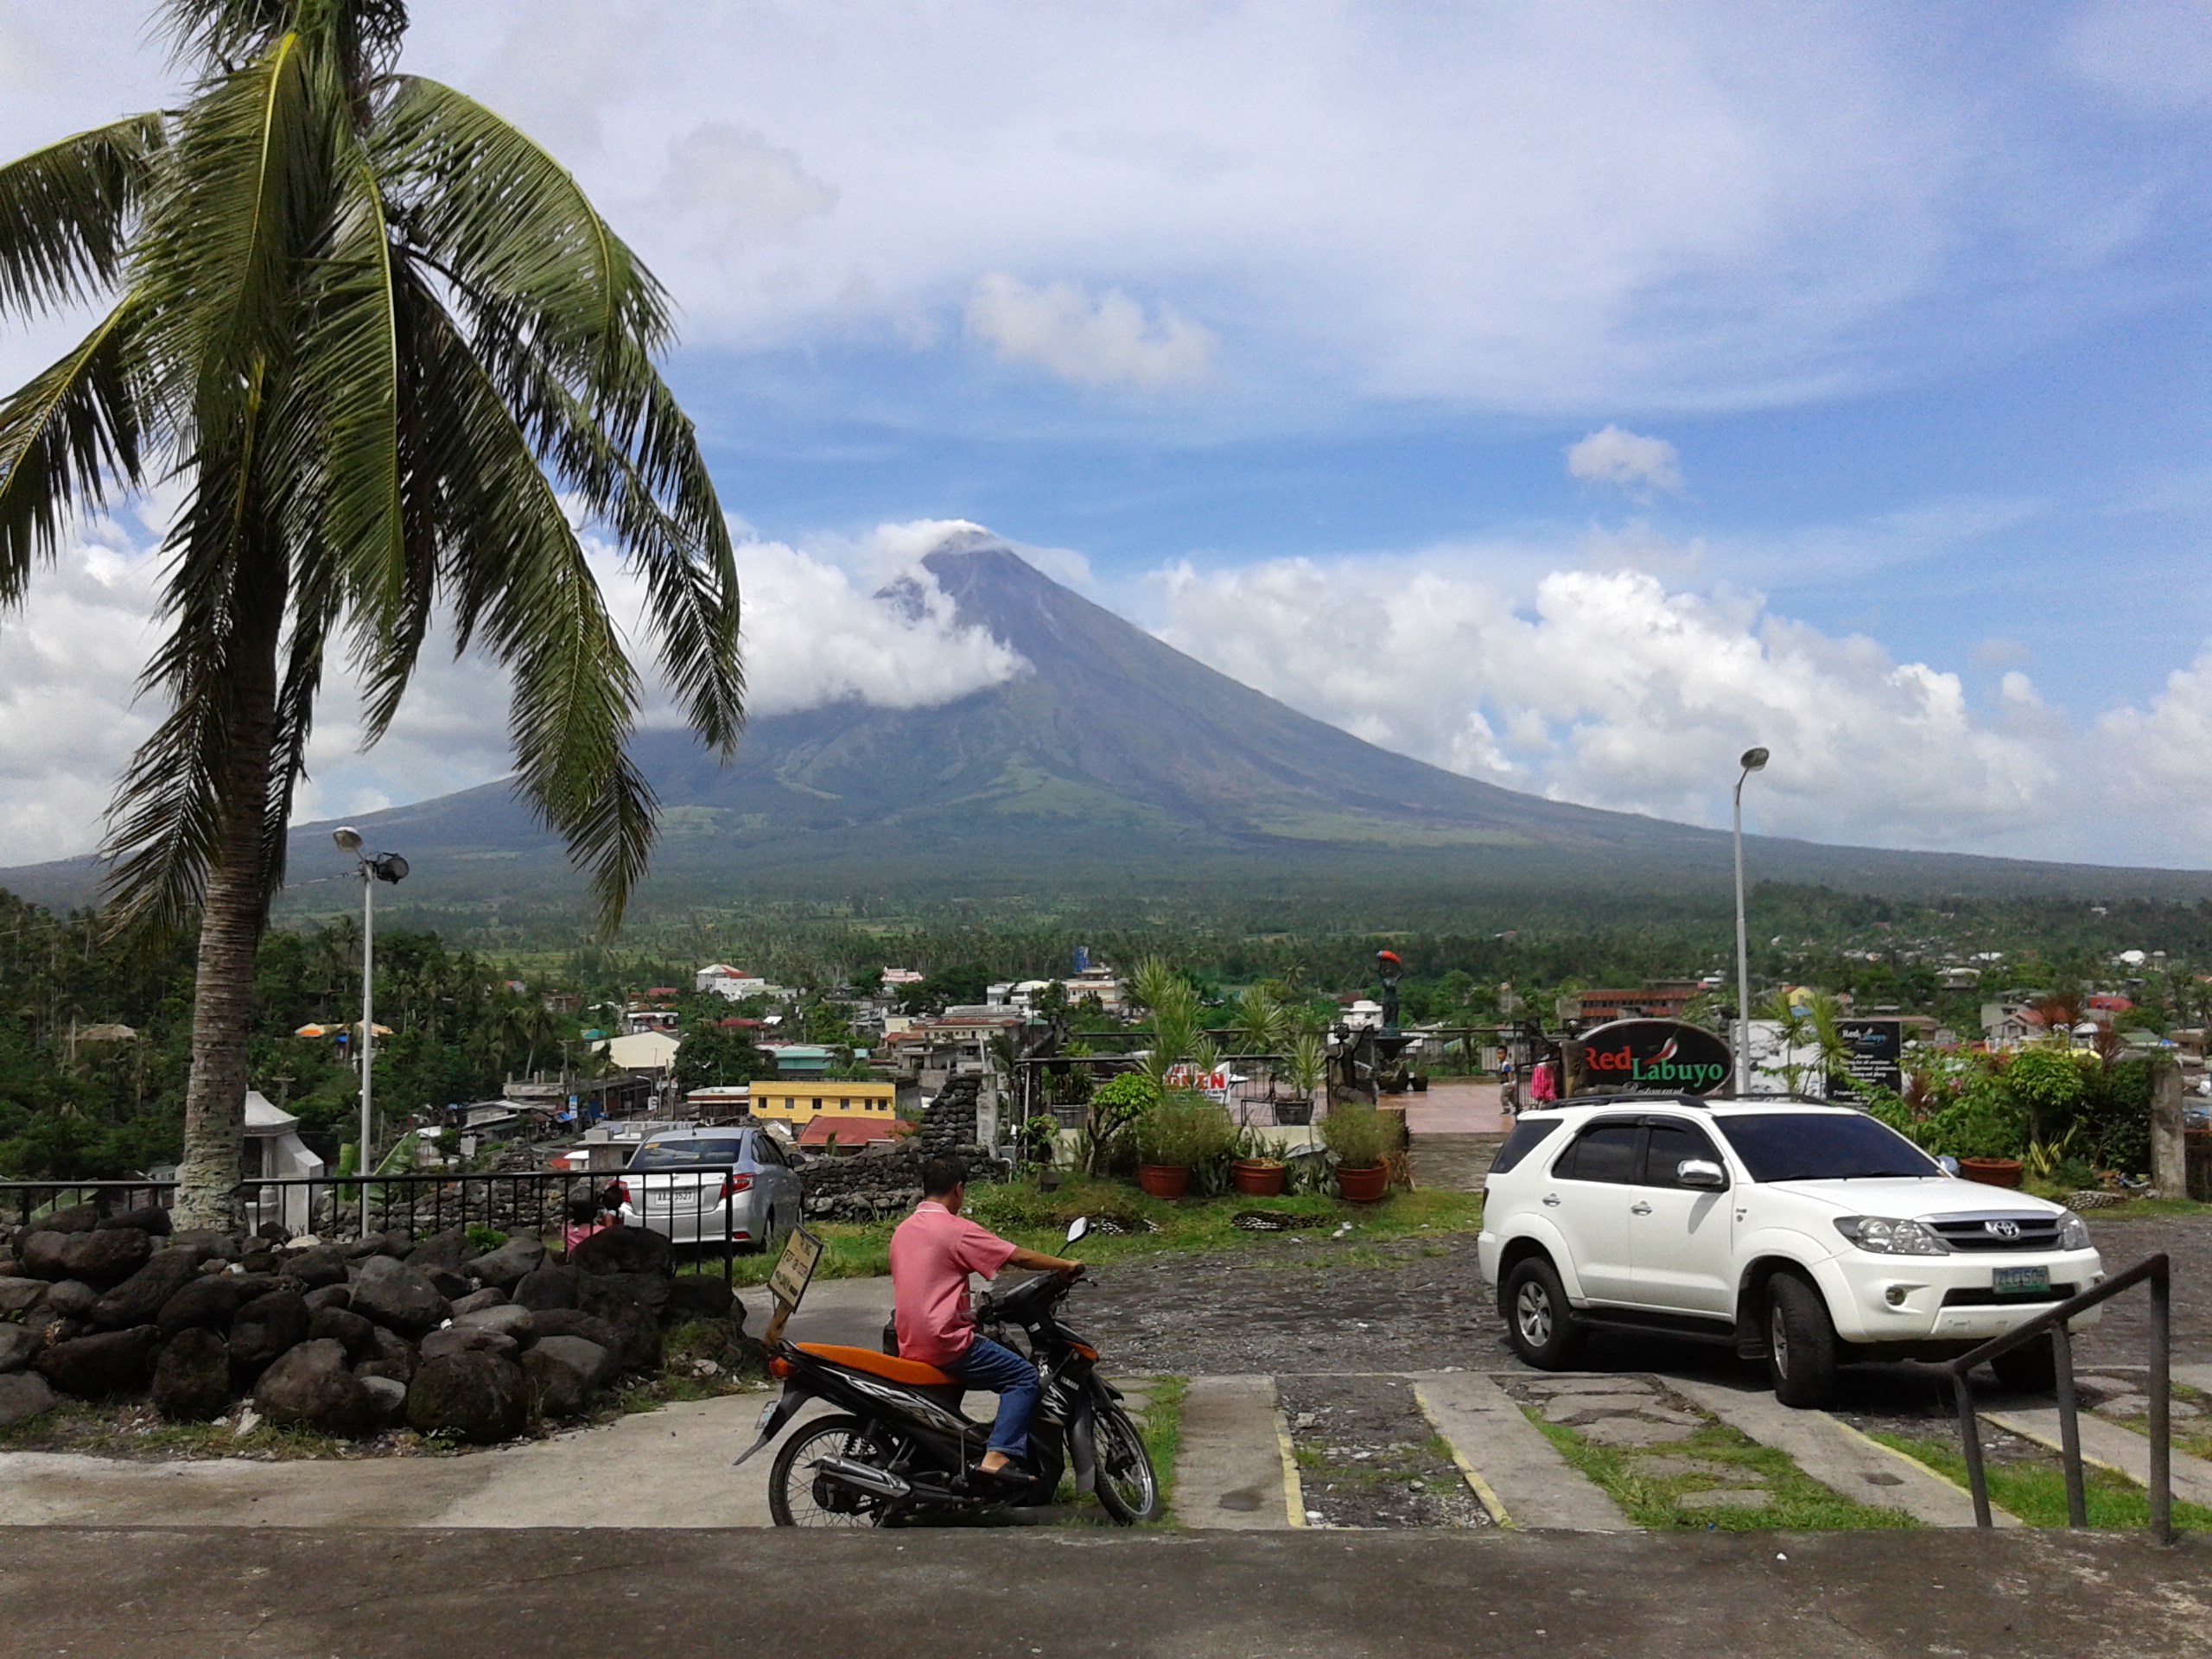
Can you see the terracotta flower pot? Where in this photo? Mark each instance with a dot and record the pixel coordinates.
(1992, 1171)
(1363, 1185)
(1164, 1180)
(1260, 1178)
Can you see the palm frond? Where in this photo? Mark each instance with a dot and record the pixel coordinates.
(367, 32)
(225, 607)
(662, 506)
(515, 230)
(66, 213)
(242, 207)
(517, 574)
(63, 439)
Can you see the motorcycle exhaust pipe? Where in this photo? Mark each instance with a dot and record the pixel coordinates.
(878, 1483)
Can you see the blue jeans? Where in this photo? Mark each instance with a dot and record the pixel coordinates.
(1013, 1379)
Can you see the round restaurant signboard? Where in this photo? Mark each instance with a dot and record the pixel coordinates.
(1654, 1055)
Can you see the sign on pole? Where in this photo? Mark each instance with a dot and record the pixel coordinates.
(1873, 1054)
(787, 1284)
(1663, 1056)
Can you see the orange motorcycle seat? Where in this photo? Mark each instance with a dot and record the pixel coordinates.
(912, 1372)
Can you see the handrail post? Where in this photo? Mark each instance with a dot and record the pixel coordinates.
(2162, 1476)
(2069, 1425)
(1970, 1439)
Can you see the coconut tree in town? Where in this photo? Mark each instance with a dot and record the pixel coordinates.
(389, 356)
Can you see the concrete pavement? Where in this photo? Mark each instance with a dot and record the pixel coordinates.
(1068, 1594)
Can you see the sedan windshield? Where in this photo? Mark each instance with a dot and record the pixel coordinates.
(1816, 1146)
(694, 1151)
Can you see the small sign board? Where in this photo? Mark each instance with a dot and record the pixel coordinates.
(794, 1269)
(1653, 1056)
(1873, 1053)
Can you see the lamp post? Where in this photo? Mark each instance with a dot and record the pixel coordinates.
(1753, 760)
(375, 867)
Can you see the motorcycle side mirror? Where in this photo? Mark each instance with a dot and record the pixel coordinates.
(1950, 1164)
(1077, 1228)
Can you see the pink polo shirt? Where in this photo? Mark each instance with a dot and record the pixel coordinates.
(933, 1253)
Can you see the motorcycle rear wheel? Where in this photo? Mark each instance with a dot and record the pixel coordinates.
(796, 1494)
(1126, 1485)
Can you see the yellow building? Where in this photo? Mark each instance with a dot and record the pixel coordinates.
(802, 1100)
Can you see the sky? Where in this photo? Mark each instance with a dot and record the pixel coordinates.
(1572, 395)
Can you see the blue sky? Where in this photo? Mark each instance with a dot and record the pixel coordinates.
(1273, 326)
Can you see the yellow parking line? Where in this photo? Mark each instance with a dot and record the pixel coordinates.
(1294, 1495)
(1475, 1483)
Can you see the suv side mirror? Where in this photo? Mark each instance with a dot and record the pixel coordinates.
(1950, 1164)
(1701, 1173)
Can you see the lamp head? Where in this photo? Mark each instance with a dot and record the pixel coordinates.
(389, 867)
(1754, 761)
(348, 839)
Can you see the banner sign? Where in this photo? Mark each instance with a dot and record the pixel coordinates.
(1873, 1055)
(1654, 1055)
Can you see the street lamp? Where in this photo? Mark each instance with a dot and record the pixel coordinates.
(1752, 760)
(375, 867)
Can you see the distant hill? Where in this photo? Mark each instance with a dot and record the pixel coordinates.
(1115, 764)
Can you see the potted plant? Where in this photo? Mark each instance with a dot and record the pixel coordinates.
(1307, 1064)
(1179, 1132)
(1362, 1140)
(1256, 1172)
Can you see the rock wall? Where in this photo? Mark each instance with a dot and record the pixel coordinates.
(348, 1340)
(887, 1181)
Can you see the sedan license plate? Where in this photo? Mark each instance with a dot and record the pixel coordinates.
(2020, 1281)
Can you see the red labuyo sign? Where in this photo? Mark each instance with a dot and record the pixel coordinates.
(1655, 1054)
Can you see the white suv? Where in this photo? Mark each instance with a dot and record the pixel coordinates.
(1801, 1233)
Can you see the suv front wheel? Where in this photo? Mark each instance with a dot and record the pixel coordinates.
(1800, 1343)
(1537, 1320)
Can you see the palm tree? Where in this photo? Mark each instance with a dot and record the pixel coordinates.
(383, 340)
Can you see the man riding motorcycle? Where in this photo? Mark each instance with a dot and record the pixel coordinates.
(933, 1253)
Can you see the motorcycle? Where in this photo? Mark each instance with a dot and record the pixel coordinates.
(899, 1449)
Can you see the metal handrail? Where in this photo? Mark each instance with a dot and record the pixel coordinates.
(2156, 1272)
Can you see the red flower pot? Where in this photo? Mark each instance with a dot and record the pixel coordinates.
(1992, 1171)
(1164, 1180)
(1259, 1178)
(1363, 1185)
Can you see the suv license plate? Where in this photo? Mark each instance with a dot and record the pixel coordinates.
(2020, 1281)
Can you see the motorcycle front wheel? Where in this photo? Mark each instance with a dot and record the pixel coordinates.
(1126, 1485)
(800, 1497)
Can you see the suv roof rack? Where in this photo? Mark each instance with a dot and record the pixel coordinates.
(1671, 1097)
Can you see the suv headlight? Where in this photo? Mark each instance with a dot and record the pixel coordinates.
(2073, 1232)
(1886, 1236)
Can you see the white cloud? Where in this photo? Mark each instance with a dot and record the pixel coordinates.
(1101, 341)
(1614, 455)
(734, 185)
(815, 634)
(1602, 687)
(1532, 208)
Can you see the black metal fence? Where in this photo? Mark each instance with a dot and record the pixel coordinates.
(2153, 1271)
(699, 1208)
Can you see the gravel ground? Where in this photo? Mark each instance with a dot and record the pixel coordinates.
(1307, 1307)
(1369, 1456)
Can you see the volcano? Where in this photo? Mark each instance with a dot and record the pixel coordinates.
(1113, 764)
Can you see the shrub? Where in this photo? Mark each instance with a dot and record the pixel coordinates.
(482, 1238)
(1012, 1207)
(1115, 1105)
(2047, 1084)
(2115, 1116)
(1184, 1131)
(1360, 1136)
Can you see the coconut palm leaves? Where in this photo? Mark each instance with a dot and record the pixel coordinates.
(390, 348)
(395, 359)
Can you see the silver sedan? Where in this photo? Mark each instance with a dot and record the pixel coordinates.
(706, 1186)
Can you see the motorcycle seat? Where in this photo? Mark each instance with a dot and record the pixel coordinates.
(912, 1372)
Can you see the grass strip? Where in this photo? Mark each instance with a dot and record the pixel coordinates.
(1648, 1497)
(2035, 1492)
(1160, 1425)
(1037, 1219)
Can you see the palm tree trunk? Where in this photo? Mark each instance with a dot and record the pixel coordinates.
(232, 920)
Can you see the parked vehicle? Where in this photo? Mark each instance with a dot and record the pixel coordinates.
(703, 1186)
(899, 1448)
(1803, 1234)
